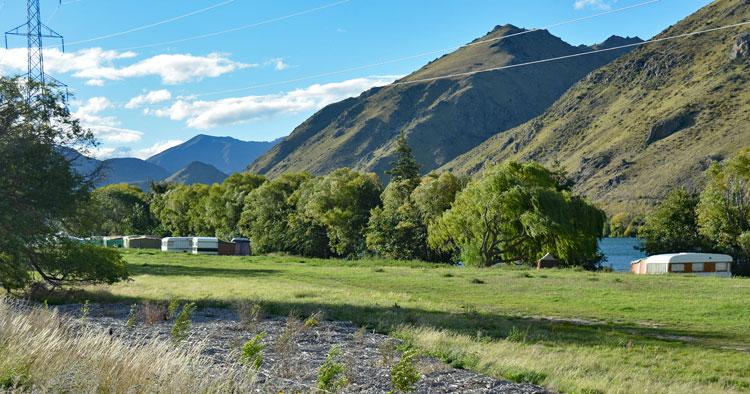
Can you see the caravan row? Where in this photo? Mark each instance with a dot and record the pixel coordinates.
(206, 245)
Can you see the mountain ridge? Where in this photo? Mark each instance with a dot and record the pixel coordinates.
(441, 118)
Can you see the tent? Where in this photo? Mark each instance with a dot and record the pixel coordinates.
(548, 261)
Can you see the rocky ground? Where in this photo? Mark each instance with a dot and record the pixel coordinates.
(294, 350)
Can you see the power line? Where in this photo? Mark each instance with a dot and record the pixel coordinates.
(493, 68)
(234, 29)
(468, 73)
(423, 54)
(148, 26)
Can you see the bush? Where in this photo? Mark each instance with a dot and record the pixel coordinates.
(404, 374)
(181, 327)
(252, 351)
(331, 376)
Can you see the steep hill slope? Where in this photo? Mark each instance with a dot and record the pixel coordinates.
(197, 172)
(225, 153)
(442, 118)
(653, 120)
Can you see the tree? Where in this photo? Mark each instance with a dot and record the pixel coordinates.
(267, 211)
(340, 202)
(121, 209)
(673, 225)
(42, 194)
(397, 230)
(405, 166)
(724, 207)
(181, 210)
(519, 212)
(225, 202)
(435, 194)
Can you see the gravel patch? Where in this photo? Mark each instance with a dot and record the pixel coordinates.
(293, 352)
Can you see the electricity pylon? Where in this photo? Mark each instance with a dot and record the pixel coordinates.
(35, 31)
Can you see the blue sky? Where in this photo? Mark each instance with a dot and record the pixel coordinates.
(142, 82)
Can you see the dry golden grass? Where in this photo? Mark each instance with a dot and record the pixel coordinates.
(41, 351)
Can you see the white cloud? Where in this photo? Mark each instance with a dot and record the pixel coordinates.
(152, 97)
(598, 4)
(97, 65)
(201, 114)
(278, 64)
(106, 128)
(158, 147)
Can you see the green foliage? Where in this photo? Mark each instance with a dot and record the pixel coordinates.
(132, 316)
(313, 320)
(404, 374)
(672, 226)
(266, 215)
(405, 166)
(724, 208)
(339, 202)
(181, 210)
(172, 307)
(397, 230)
(252, 351)
(41, 194)
(519, 212)
(121, 209)
(225, 203)
(181, 327)
(85, 310)
(331, 376)
(525, 376)
(435, 194)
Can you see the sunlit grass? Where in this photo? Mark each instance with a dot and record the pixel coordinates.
(571, 330)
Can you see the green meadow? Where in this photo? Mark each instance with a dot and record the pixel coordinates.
(570, 331)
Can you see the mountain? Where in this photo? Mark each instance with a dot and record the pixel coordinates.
(652, 120)
(225, 153)
(120, 170)
(197, 172)
(441, 118)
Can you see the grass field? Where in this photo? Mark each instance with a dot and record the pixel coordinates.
(571, 331)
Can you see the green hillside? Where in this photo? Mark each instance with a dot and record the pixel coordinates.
(197, 172)
(650, 121)
(442, 118)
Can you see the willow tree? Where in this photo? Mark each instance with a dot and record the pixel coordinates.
(42, 195)
(519, 212)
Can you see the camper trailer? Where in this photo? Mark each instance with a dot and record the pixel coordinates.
(177, 244)
(684, 263)
(112, 242)
(205, 245)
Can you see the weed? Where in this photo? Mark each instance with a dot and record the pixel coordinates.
(517, 335)
(181, 327)
(174, 305)
(331, 375)
(359, 335)
(477, 281)
(85, 310)
(387, 350)
(252, 351)
(132, 316)
(525, 376)
(314, 320)
(404, 374)
(447, 275)
(379, 269)
(154, 313)
(249, 314)
(286, 346)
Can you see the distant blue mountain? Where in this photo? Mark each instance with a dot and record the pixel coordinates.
(197, 172)
(227, 154)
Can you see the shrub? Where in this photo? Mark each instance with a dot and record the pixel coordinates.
(85, 310)
(331, 376)
(181, 328)
(314, 319)
(249, 314)
(172, 308)
(154, 313)
(525, 376)
(517, 335)
(252, 351)
(404, 374)
(132, 316)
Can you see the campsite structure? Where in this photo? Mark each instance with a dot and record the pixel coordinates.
(141, 242)
(177, 244)
(684, 263)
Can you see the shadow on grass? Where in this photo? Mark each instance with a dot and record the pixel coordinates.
(192, 270)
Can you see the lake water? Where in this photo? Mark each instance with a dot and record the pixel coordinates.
(620, 252)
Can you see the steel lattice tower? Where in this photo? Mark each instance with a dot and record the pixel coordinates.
(35, 32)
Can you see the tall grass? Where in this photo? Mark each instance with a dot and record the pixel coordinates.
(42, 351)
